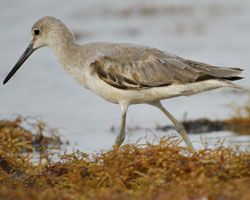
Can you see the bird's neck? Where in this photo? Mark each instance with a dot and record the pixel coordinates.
(69, 56)
(64, 49)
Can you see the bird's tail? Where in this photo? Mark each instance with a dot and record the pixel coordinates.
(211, 72)
(231, 74)
(229, 83)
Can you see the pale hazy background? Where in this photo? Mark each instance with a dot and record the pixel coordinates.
(216, 32)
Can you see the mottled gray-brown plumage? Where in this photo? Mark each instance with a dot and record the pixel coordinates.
(128, 66)
(127, 74)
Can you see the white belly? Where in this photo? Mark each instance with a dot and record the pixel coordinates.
(148, 95)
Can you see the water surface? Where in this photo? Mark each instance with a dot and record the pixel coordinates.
(208, 31)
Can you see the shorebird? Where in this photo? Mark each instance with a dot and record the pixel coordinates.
(127, 74)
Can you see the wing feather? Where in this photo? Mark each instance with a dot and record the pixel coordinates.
(137, 67)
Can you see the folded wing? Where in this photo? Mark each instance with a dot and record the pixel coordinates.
(137, 67)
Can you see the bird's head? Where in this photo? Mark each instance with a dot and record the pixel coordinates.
(47, 31)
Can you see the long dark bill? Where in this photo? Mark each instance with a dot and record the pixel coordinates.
(19, 63)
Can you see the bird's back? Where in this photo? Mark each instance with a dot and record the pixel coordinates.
(128, 66)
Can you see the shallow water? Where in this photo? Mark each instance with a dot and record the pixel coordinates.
(208, 31)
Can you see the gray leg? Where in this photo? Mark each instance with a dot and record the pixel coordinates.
(178, 125)
(120, 138)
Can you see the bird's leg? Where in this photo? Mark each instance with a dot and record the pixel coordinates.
(178, 125)
(120, 138)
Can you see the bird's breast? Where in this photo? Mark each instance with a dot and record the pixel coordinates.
(77, 73)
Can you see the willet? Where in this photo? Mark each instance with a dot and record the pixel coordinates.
(127, 74)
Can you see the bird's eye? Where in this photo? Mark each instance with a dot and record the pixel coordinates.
(37, 31)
